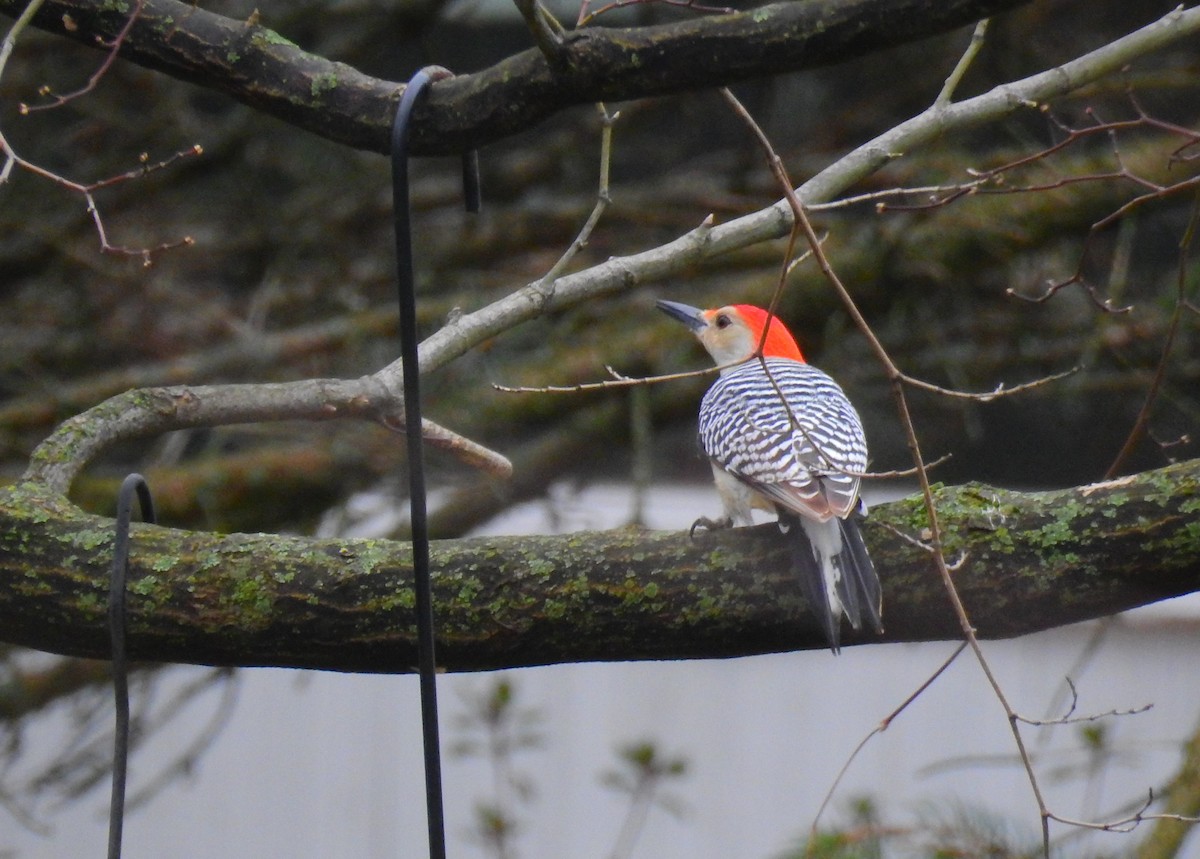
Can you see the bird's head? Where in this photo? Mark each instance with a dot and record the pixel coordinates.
(731, 334)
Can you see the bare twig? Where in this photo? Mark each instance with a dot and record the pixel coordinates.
(603, 199)
(935, 543)
(547, 32)
(964, 62)
(904, 472)
(468, 452)
(1122, 824)
(1069, 717)
(884, 724)
(1160, 371)
(988, 396)
(14, 32)
(708, 240)
(114, 48)
(87, 191)
(618, 381)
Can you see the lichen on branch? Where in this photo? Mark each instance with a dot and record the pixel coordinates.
(1029, 561)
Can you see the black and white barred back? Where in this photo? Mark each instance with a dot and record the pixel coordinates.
(805, 451)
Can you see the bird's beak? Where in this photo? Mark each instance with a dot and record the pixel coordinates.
(692, 317)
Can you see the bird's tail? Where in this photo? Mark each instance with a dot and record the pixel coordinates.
(836, 574)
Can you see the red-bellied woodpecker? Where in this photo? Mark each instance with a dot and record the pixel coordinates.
(782, 436)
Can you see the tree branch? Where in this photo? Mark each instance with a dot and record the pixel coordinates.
(260, 68)
(710, 240)
(139, 414)
(1031, 562)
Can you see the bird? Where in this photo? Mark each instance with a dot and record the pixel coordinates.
(782, 436)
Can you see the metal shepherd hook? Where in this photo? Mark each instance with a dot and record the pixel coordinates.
(426, 662)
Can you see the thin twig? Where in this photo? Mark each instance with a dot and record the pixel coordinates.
(618, 381)
(547, 32)
(904, 472)
(114, 49)
(10, 38)
(620, 273)
(603, 199)
(988, 396)
(964, 62)
(935, 542)
(87, 191)
(1160, 372)
(878, 729)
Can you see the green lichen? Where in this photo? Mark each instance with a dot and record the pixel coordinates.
(468, 591)
(145, 586)
(264, 36)
(323, 83)
(401, 599)
(719, 559)
(1186, 539)
(541, 568)
(210, 561)
(704, 607)
(91, 538)
(1001, 541)
(252, 595)
(368, 555)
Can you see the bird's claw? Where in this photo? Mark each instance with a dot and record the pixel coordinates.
(709, 525)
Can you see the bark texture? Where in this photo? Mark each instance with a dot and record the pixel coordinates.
(1030, 561)
(265, 70)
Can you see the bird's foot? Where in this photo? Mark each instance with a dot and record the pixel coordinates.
(709, 525)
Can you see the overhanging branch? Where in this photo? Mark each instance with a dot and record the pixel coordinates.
(258, 67)
(1032, 561)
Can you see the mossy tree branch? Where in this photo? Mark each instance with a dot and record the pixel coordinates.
(1031, 561)
(263, 69)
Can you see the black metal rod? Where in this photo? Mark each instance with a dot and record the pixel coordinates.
(426, 661)
(132, 484)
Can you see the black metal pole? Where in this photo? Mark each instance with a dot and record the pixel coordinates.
(426, 661)
(132, 484)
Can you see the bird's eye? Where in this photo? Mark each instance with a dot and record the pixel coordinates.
(723, 320)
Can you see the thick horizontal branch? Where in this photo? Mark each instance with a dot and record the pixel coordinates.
(1031, 561)
(264, 70)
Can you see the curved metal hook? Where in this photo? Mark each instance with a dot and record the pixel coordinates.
(426, 660)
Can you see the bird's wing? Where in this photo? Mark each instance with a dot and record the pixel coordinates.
(804, 451)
